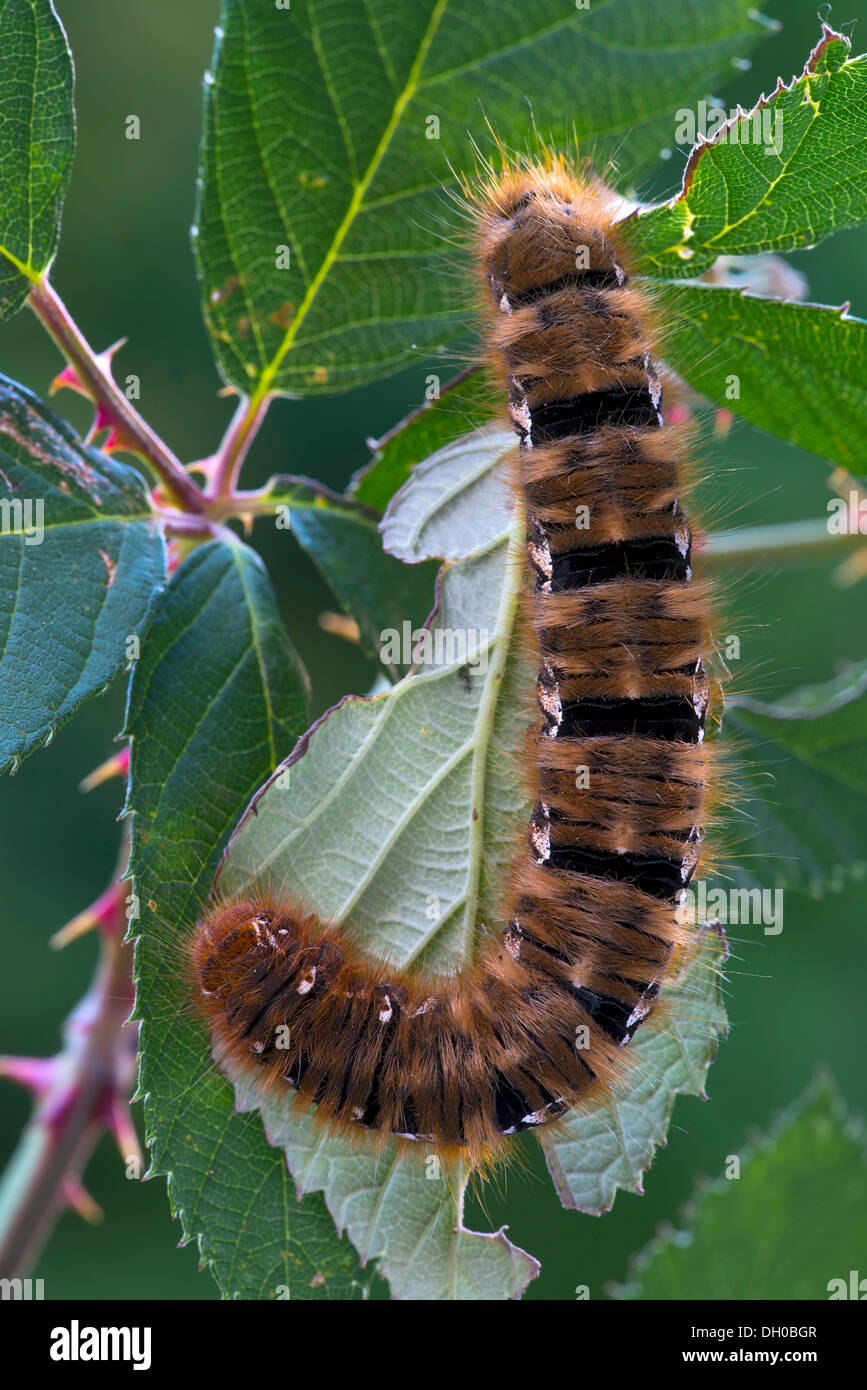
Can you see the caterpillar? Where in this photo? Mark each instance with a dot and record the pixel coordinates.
(616, 762)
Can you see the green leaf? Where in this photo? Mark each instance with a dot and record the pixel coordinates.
(373, 825)
(431, 738)
(460, 408)
(317, 139)
(742, 195)
(372, 822)
(218, 697)
(408, 1217)
(80, 560)
(342, 537)
(592, 1155)
(804, 1187)
(456, 501)
(810, 828)
(801, 368)
(37, 141)
(396, 817)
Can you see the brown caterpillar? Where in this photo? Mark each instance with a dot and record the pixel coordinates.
(617, 766)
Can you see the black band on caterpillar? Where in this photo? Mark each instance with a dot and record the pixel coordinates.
(621, 629)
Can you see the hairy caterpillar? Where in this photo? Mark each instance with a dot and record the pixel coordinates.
(617, 765)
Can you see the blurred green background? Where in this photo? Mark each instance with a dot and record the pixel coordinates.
(125, 269)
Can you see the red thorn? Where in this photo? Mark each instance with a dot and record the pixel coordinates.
(76, 1196)
(104, 418)
(68, 378)
(105, 913)
(116, 439)
(115, 1114)
(678, 415)
(206, 467)
(115, 766)
(36, 1074)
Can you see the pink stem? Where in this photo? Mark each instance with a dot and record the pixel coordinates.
(133, 432)
(90, 1074)
(243, 428)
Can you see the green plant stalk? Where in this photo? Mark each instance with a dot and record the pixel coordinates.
(52, 1151)
(134, 432)
(788, 542)
(229, 458)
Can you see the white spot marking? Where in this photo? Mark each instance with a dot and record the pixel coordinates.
(308, 982)
(424, 1007)
(519, 414)
(549, 699)
(512, 942)
(540, 834)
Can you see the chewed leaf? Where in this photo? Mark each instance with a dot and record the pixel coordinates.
(783, 175)
(611, 1147)
(81, 559)
(390, 817)
(395, 817)
(409, 1217)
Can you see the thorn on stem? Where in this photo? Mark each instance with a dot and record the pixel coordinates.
(35, 1074)
(115, 766)
(106, 913)
(75, 1195)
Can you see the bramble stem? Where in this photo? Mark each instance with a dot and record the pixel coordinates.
(134, 432)
(790, 541)
(239, 504)
(243, 428)
(70, 1117)
(200, 527)
(774, 545)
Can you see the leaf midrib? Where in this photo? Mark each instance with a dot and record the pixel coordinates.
(267, 378)
(485, 722)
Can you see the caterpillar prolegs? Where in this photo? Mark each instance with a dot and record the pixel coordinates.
(616, 762)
